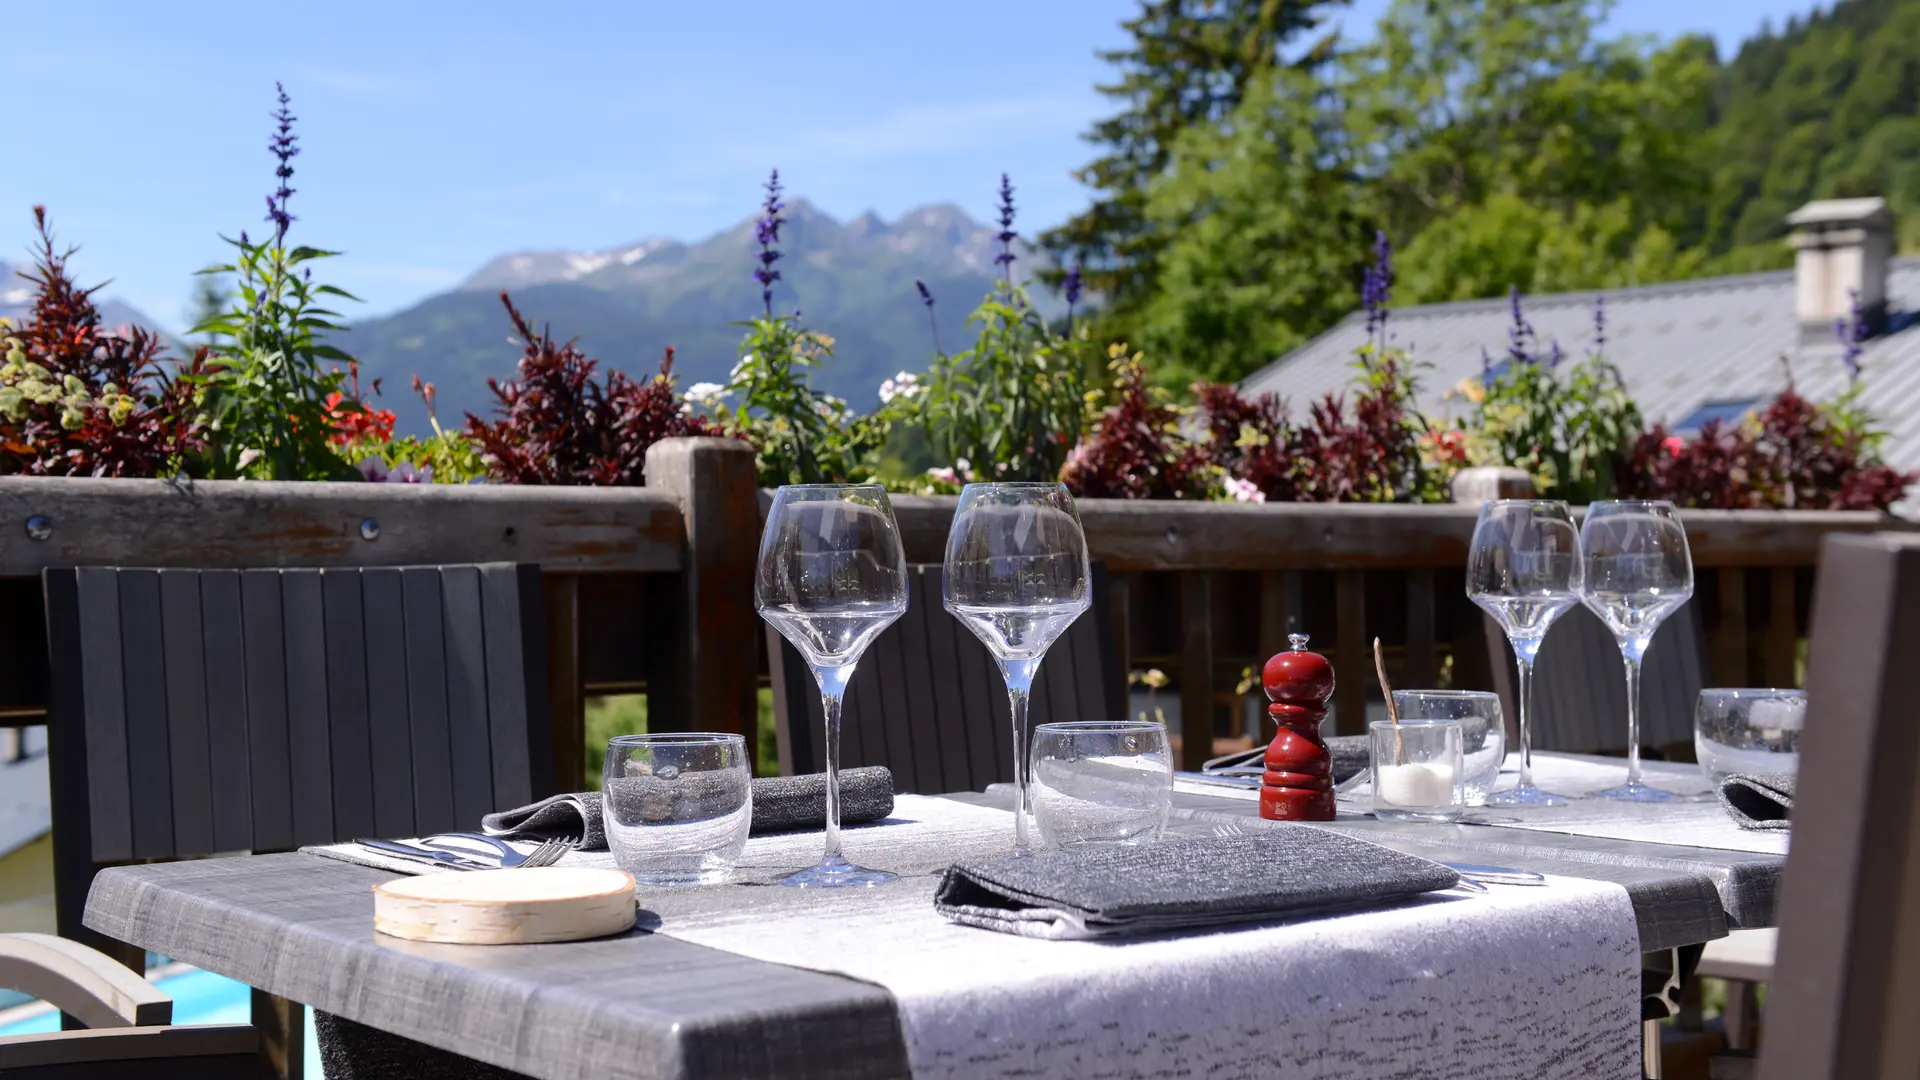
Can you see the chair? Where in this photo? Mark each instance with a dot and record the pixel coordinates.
(198, 712)
(1580, 690)
(129, 1021)
(927, 700)
(1846, 988)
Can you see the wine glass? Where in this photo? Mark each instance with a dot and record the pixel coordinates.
(1017, 576)
(1524, 569)
(832, 575)
(1638, 571)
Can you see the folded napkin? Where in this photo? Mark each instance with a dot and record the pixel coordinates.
(1758, 802)
(1101, 892)
(780, 804)
(1347, 754)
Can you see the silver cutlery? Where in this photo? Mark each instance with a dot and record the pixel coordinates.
(509, 855)
(548, 853)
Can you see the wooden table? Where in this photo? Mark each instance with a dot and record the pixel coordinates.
(300, 926)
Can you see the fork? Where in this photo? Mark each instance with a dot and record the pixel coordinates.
(547, 853)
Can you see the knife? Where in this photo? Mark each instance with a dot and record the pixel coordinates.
(1496, 875)
(408, 851)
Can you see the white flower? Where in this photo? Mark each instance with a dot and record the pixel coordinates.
(963, 466)
(906, 384)
(707, 393)
(734, 375)
(944, 476)
(1244, 490)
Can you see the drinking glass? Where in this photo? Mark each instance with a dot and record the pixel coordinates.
(1416, 770)
(1748, 732)
(677, 807)
(1101, 782)
(1483, 732)
(1638, 571)
(1017, 576)
(832, 575)
(1524, 568)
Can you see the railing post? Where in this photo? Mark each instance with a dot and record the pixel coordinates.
(707, 667)
(1196, 669)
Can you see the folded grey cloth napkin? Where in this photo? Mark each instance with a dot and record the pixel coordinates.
(780, 804)
(1103, 892)
(1758, 802)
(1347, 754)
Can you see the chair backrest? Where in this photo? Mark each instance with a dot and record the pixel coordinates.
(927, 700)
(1580, 687)
(1846, 989)
(202, 711)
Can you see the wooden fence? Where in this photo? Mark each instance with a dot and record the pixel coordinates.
(652, 589)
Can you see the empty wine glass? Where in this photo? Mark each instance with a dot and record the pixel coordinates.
(832, 575)
(1638, 571)
(1017, 576)
(1524, 569)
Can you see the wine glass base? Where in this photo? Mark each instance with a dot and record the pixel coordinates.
(837, 875)
(1635, 791)
(1525, 795)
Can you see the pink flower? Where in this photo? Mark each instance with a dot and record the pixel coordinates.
(1245, 491)
(1674, 445)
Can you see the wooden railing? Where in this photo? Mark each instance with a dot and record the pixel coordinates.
(653, 588)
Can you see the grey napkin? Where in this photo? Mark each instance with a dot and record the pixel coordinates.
(1104, 892)
(780, 804)
(1347, 754)
(1758, 802)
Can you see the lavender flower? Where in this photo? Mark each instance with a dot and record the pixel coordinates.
(1376, 287)
(283, 145)
(1852, 332)
(926, 298)
(1553, 357)
(1520, 332)
(766, 233)
(1599, 324)
(1072, 291)
(1006, 235)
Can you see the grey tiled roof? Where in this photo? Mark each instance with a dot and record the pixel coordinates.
(1678, 345)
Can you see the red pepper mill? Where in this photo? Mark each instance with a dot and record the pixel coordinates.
(1298, 782)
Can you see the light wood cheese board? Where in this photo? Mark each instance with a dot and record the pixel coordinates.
(506, 907)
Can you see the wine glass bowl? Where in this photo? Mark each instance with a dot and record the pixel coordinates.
(1639, 570)
(1017, 575)
(832, 575)
(1524, 569)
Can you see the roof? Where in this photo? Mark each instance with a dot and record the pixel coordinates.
(1679, 346)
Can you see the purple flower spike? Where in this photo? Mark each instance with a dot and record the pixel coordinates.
(1520, 332)
(1376, 287)
(1852, 332)
(926, 297)
(1072, 290)
(766, 233)
(1599, 325)
(1553, 358)
(1006, 235)
(284, 144)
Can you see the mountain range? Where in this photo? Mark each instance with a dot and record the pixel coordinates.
(853, 281)
(16, 301)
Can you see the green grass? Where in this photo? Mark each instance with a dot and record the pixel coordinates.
(626, 714)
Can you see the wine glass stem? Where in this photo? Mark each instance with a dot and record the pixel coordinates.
(1526, 716)
(833, 688)
(1633, 719)
(1019, 676)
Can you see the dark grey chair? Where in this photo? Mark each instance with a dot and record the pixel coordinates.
(200, 712)
(1580, 689)
(927, 700)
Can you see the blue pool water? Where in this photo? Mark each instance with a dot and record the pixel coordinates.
(199, 997)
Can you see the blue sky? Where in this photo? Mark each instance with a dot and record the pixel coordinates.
(436, 136)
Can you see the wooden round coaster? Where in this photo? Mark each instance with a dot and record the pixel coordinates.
(506, 907)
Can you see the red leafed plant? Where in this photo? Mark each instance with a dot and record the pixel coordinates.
(354, 421)
(559, 424)
(79, 400)
(1136, 450)
(1793, 455)
(1250, 442)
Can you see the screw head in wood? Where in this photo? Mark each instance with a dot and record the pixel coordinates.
(370, 529)
(39, 527)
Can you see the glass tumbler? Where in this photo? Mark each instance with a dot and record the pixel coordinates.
(1417, 770)
(1483, 731)
(1748, 732)
(677, 806)
(1104, 782)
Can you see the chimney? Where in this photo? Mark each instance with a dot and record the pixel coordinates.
(1841, 247)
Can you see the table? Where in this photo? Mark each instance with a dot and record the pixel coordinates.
(300, 926)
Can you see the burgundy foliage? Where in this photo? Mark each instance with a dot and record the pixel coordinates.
(1792, 458)
(558, 424)
(1135, 450)
(63, 335)
(1250, 440)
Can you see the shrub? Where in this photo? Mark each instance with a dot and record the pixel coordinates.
(445, 457)
(560, 424)
(78, 400)
(1136, 449)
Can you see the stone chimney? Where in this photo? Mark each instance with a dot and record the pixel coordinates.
(1841, 247)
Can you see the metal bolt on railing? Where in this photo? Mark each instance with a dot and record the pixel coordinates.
(39, 527)
(370, 529)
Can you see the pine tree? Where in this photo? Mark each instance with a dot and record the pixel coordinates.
(1190, 63)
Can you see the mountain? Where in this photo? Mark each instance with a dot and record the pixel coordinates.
(851, 280)
(16, 302)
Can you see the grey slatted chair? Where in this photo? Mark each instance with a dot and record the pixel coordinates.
(1580, 689)
(927, 700)
(199, 712)
(129, 1021)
